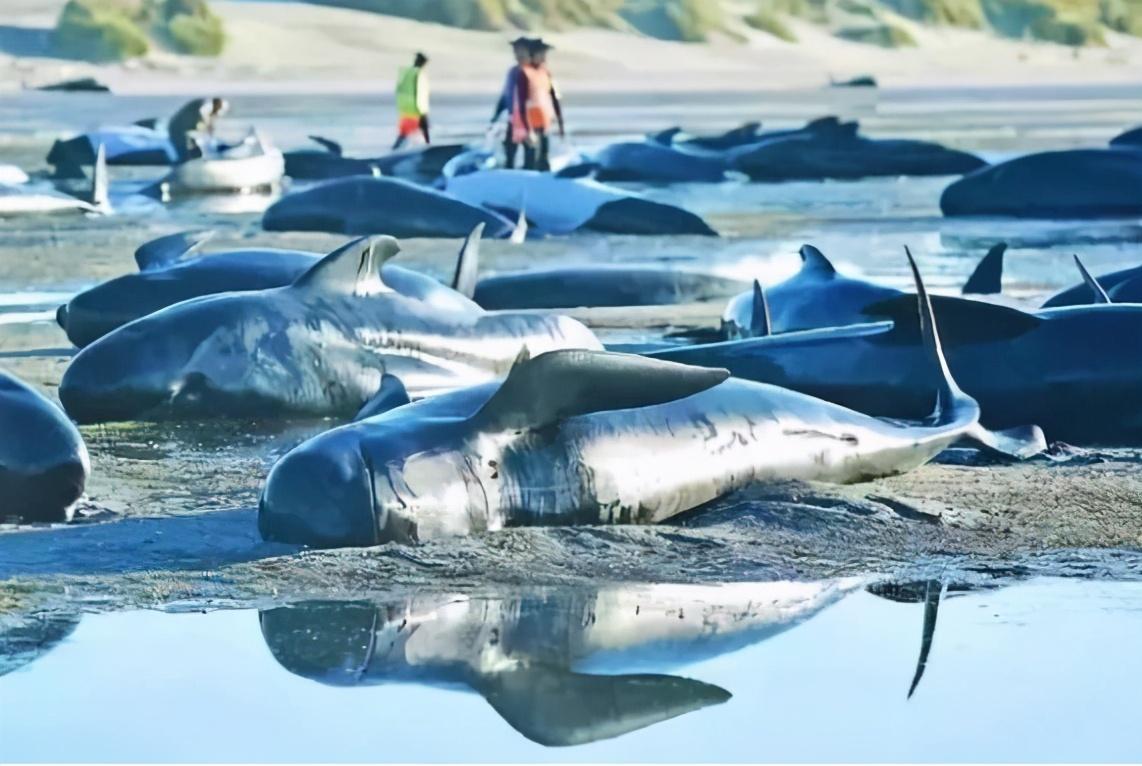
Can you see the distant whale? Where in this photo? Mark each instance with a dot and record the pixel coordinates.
(746, 133)
(839, 153)
(1123, 286)
(25, 199)
(819, 296)
(564, 205)
(363, 205)
(123, 145)
(600, 285)
(651, 162)
(583, 437)
(43, 460)
(529, 654)
(1076, 183)
(325, 163)
(318, 347)
(1129, 139)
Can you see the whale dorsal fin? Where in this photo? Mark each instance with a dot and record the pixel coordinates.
(558, 707)
(987, 279)
(352, 269)
(519, 233)
(1099, 294)
(97, 195)
(813, 260)
(468, 263)
(561, 384)
(328, 144)
(665, 137)
(759, 324)
(165, 251)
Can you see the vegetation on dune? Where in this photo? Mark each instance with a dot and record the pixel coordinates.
(765, 20)
(688, 21)
(117, 30)
(100, 30)
(883, 33)
(954, 13)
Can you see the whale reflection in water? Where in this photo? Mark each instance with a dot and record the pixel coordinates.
(530, 654)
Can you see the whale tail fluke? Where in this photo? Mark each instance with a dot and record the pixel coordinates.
(952, 404)
(559, 708)
(759, 324)
(1098, 293)
(933, 592)
(987, 279)
(468, 263)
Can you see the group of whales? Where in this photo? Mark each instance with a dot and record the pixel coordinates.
(521, 418)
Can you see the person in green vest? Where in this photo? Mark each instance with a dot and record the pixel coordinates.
(412, 101)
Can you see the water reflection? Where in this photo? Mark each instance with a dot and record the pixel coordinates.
(560, 666)
(26, 638)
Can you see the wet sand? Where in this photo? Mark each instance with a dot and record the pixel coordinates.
(169, 520)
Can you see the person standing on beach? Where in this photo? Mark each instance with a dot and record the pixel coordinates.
(194, 117)
(513, 100)
(543, 108)
(412, 101)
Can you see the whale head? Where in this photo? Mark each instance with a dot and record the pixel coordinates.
(347, 489)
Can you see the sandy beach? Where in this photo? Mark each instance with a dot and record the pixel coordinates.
(279, 47)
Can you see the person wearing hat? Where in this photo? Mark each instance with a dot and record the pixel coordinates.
(412, 101)
(543, 107)
(513, 100)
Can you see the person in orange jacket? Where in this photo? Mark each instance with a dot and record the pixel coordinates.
(543, 108)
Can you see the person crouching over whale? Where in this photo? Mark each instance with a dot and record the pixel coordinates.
(543, 108)
(412, 101)
(194, 120)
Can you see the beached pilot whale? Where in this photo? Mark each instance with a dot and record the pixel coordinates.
(590, 437)
(327, 162)
(364, 205)
(1123, 286)
(1131, 139)
(562, 667)
(172, 270)
(1076, 183)
(124, 145)
(651, 162)
(43, 461)
(25, 199)
(316, 347)
(835, 151)
(1075, 371)
(819, 296)
(556, 205)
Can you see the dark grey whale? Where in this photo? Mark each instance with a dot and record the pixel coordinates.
(172, 270)
(43, 460)
(1123, 286)
(1129, 139)
(818, 296)
(600, 285)
(1076, 371)
(319, 346)
(837, 152)
(1075, 183)
(650, 162)
(325, 163)
(363, 205)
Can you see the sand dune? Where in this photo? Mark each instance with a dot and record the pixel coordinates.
(287, 46)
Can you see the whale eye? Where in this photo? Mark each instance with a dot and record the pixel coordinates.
(495, 468)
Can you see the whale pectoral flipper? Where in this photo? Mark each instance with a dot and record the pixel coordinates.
(561, 384)
(98, 194)
(1100, 295)
(987, 279)
(559, 708)
(759, 324)
(352, 269)
(468, 263)
(389, 396)
(328, 144)
(164, 251)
